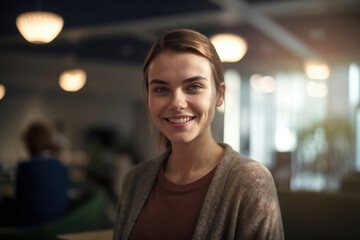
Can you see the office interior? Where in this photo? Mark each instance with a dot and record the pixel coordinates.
(305, 129)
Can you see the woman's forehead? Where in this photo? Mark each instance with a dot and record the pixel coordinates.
(170, 64)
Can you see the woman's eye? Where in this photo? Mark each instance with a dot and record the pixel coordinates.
(194, 87)
(160, 90)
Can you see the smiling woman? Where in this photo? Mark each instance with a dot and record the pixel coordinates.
(197, 188)
(182, 105)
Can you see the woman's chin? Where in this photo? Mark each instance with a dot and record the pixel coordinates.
(180, 140)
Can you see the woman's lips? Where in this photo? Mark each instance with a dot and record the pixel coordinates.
(179, 121)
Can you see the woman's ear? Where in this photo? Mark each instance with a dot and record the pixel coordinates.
(220, 95)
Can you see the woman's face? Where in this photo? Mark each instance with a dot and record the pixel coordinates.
(182, 96)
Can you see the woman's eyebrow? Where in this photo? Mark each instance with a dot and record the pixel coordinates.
(193, 79)
(188, 80)
(158, 81)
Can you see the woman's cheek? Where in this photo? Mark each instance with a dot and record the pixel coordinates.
(155, 107)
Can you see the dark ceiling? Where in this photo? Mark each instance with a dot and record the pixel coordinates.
(83, 13)
(86, 13)
(123, 30)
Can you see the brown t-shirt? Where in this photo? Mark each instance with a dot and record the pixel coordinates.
(172, 210)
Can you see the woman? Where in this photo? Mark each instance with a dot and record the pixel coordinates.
(198, 188)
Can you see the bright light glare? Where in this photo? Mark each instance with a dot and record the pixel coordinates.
(262, 84)
(72, 80)
(232, 109)
(354, 99)
(2, 91)
(317, 90)
(39, 27)
(284, 140)
(231, 48)
(354, 85)
(316, 70)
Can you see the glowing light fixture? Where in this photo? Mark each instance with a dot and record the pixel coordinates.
(316, 70)
(262, 84)
(317, 90)
(72, 80)
(284, 140)
(2, 91)
(39, 27)
(231, 48)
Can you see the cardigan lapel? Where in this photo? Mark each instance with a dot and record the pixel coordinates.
(213, 197)
(146, 183)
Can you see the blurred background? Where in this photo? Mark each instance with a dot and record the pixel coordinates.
(293, 99)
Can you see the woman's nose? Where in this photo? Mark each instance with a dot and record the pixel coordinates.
(178, 101)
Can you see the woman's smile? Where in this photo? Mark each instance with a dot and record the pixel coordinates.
(179, 122)
(179, 119)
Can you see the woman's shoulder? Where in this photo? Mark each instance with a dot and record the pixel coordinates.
(244, 169)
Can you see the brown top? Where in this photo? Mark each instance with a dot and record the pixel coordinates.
(172, 210)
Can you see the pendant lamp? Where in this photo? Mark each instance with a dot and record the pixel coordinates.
(39, 27)
(230, 47)
(317, 89)
(316, 69)
(72, 80)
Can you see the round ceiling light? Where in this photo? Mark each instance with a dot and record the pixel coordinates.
(317, 89)
(72, 80)
(39, 27)
(262, 84)
(230, 47)
(316, 69)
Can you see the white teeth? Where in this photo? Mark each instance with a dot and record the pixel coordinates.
(179, 120)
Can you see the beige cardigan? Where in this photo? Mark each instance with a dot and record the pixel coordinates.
(241, 202)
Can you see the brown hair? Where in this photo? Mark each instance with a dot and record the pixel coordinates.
(38, 137)
(184, 40)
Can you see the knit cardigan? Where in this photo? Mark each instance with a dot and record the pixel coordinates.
(241, 202)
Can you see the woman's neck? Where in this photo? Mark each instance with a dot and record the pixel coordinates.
(189, 162)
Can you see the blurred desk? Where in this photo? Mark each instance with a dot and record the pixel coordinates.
(93, 235)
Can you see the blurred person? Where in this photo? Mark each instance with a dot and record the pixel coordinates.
(42, 183)
(197, 188)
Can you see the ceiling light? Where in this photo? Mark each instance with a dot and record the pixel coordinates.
(231, 48)
(2, 91)
(262, 84)
(317, 90)
(39, 27)
(72, 80)
(316, 70)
